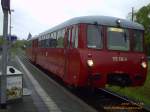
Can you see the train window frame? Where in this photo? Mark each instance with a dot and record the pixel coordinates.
(73, 36)
(60, 33)
(100, 35)
(52, 43)
(69, 31)
(46, 43)
(142, 40)
(55, 34)
(52, 40)
(74, 39)
(119, 30)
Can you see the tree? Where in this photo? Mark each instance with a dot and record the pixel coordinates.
(1, 41)
(29, 36)
(143, 17)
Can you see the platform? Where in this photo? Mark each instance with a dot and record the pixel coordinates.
(42, 94)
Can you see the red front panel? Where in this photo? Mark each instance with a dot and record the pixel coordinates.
(109, 62)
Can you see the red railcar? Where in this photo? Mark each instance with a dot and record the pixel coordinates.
(93, 51)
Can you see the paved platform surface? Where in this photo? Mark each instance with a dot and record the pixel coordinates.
(45, 95)
(22, 105)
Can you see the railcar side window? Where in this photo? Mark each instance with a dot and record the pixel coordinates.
(74, 39)
(60, 39)
(43, 43)
(52, 41)
(73, 36)
(54, 35)
(39, 42)
(138, 40)
(118, 39)
(46, 43)
(94, 39)
(68, 39)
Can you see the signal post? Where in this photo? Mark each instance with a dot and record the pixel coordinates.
(6, 8)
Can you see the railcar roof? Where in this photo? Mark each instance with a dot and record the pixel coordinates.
(34, 37)
(101, 20)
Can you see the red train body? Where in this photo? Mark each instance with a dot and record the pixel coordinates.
(93, 51)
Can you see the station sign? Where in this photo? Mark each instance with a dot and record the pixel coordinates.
(11, 38)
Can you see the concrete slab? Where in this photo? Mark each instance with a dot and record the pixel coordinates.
(62, 98)
(25, 104)
(50, 104)
(41, 94)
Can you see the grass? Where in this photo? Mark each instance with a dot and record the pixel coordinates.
(141, 94)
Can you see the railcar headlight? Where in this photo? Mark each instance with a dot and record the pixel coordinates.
(144, 64)
(90, 63)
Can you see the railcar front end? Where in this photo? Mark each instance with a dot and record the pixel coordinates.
(114, 56)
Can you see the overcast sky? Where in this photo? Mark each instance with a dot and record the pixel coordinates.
(35, 16)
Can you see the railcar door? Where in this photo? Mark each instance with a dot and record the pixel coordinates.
(71, 55)
(67, 55)
(34, 48)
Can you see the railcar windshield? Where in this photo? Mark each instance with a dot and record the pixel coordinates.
(138, 40)
(94, 39)
(118, 39)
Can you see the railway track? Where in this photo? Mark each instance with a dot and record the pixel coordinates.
(127, 101)
(101, 99)
(110, 101)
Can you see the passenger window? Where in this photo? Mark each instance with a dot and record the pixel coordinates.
(52, 43)
(73, 37)
(138, 40)
(52, 40)
(60, 39)
(74, 40)
(118, 39)
(68, 39)
(46, 43)
(42, 43)
(54, 35)
(94, 39)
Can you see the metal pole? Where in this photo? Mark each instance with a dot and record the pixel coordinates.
(132, 13)
(4, 61)
(9, 52)
(10, 24)
(10, 27)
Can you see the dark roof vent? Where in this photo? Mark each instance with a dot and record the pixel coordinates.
(95, 23)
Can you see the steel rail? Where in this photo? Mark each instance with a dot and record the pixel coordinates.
(124, 98)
